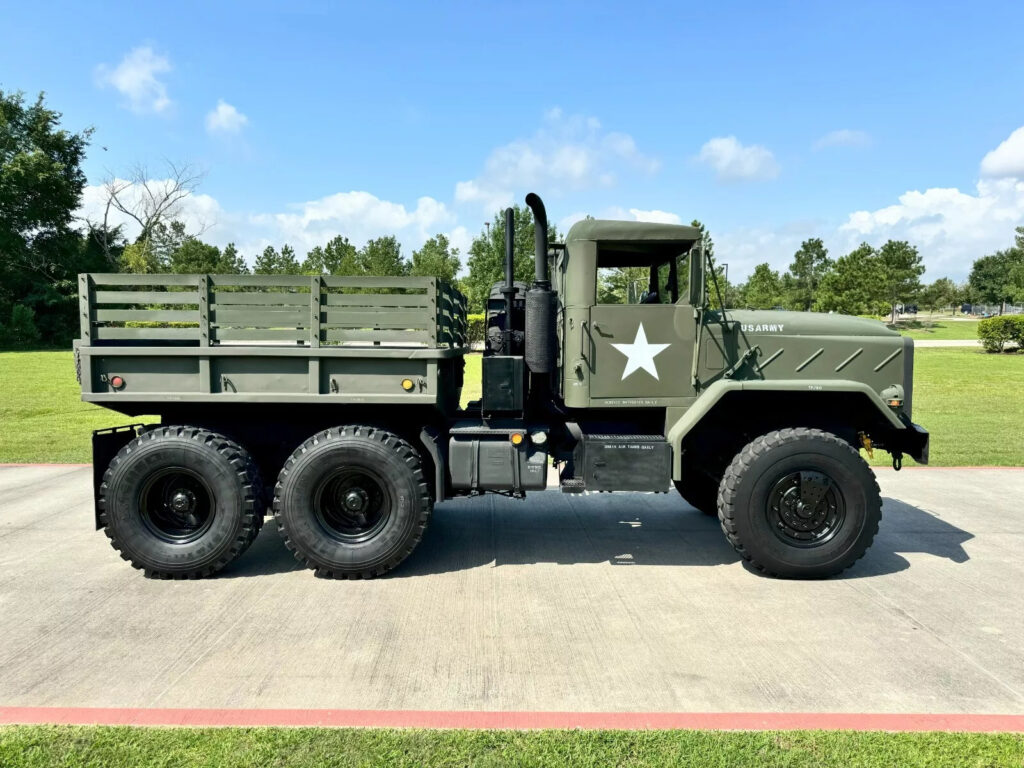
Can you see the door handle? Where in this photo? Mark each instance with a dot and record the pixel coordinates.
(583, 339)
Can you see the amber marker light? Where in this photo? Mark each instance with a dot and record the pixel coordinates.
(516, 438)
(407, 385)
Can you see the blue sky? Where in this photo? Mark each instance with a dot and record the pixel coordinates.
(770, 122)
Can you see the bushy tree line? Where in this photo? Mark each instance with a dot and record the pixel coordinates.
(43, 248)
(872, 281)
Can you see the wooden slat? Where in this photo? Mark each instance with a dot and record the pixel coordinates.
(114, 278)
(146, 297)
(153, 315)
(261, 298)
(261, 281)
(147, 334)
(332, 281)
(261, 334)
(369, 319)
(259, 318)
(376, 300)
(341, 334)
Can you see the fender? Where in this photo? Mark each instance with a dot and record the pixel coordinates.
(677, 430)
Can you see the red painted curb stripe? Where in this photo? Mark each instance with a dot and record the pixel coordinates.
(368, 718)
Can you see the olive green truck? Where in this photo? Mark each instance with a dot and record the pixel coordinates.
(334, 403)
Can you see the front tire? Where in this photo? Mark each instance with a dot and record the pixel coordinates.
(352, 502)
(181, 502)
(799, 503)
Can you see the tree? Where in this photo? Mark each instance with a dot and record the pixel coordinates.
(763, 289)
(194, 256)
(941, 293)
(338, 257)
(232, 262)
(852, 286)
(487, 255)
(150, 203)
(899, 270)
(436, 258)
(382, 256)
(810, 264)
(272, 262)
(41, 182)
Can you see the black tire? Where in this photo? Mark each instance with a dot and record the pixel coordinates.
(799, 503)
(699, 490)
(181, 502)
(352, 502)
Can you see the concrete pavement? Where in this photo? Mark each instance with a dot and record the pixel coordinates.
(603, 603)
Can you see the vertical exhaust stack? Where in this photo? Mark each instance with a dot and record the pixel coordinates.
(509, 290)
(540, 299)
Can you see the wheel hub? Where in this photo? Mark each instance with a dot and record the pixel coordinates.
(356, 500)
(805, 508)
(352, 505)
(177, 505)
(183, 501)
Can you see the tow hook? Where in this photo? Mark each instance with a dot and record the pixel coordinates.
(897, 461)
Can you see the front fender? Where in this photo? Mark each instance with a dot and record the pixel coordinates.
(677, 430)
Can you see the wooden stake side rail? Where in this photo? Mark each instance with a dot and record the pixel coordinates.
(312, 311)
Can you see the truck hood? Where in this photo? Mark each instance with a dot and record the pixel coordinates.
(770, 322)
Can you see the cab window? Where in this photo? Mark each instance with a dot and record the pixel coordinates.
(640, 278)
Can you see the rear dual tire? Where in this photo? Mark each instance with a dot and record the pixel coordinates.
(352, 502)
(181, 502)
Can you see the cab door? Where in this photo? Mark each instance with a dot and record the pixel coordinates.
(640, 354)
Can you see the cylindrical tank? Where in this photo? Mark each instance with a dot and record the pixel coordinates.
(540, 330)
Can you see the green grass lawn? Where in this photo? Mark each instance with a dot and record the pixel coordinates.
(971, 402)
(943, 329)
(106, 747)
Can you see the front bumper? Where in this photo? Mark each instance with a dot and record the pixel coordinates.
(912, 441)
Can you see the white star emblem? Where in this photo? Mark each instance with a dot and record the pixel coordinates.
(640, 354)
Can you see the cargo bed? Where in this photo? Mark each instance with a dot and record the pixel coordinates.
(151, 339)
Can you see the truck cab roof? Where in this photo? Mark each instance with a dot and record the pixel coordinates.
(608, 231)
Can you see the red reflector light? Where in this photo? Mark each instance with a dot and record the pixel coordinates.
(116, 382)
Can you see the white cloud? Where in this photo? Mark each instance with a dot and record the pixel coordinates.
(951, 228)
(844, 137)
(357, 215)
(225, 119)
(136, 79)
(655, 216)
(733, 161)
(569, 152)
(1006, 160)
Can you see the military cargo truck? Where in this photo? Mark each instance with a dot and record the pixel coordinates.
(334, 404)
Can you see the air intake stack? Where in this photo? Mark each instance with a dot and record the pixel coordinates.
(540, 299)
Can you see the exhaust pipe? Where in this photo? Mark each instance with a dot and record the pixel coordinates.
(540, 237)
(510, 288)
(540, 301)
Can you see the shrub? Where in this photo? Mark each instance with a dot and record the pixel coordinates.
(998, 332)
(475, 328)
(21, 331)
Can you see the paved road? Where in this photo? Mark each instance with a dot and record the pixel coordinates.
(947, 343)
(598, 603)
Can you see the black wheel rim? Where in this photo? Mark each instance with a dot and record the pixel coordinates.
(352, 505)
(805, 509)
(177, 505)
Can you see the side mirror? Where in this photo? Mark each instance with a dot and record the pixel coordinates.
(697, 276)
